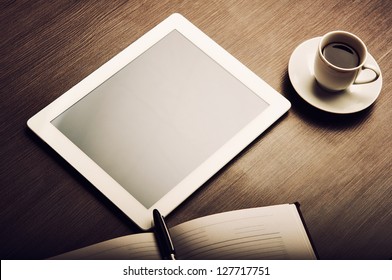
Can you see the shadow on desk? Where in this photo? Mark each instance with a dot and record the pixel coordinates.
(318, 117)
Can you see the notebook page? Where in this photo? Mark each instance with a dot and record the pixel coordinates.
(131, 247)
(273, 232)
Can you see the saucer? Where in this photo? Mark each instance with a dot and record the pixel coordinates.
(353, 99)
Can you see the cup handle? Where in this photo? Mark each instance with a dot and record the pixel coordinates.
(372, 68)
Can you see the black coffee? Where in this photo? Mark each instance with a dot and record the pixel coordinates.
(341, 55)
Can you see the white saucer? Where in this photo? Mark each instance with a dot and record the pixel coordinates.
(353, 99)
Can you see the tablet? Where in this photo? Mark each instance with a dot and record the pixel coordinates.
(156, 121)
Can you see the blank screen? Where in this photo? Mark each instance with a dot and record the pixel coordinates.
(160, 117)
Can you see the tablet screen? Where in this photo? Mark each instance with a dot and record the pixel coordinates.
(160, 117)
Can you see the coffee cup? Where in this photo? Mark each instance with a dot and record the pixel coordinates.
(340, 57)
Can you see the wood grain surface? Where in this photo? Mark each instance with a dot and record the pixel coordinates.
(339, 167)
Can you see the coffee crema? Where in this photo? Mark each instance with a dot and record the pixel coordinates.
(341, 55)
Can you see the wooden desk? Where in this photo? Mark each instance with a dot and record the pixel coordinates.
(338, 167)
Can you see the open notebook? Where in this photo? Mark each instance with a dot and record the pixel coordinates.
(272, 232)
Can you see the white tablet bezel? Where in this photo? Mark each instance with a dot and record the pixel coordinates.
(42, 126)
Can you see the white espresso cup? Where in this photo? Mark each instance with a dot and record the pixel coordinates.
(339, 59)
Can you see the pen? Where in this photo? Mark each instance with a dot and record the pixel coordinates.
(165, 243)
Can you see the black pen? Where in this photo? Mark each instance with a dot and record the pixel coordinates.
(165, 243)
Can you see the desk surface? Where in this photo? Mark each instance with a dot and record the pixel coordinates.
(339, 167)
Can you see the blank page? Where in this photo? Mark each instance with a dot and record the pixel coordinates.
(140, 246)
(273, 232)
